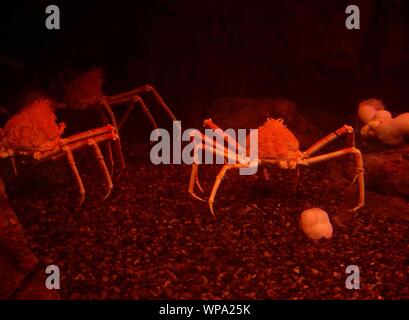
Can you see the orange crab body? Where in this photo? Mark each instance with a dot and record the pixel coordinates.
(277, 144)
(33, 129)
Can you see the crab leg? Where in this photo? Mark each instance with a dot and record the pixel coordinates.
(102, 166)
(108, 111)
(145, 109)
(358, 164)
(108, 145)
(118, 150)
(194, 179)
(99, 134)
(77, 142)
(209, 142)
(194, 173)
(216, 186)
(345, 130)
(91, 133)
(110, 158)
(118, 145)
(219, 179)
(74, 169)
(215, 147)
(230, 141)
(126, 96)
(198, 184)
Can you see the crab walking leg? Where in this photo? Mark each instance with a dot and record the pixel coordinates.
(230, 141)
(162, 103)
(74, 169)
(92, 133)
(194, 173)
(194, 177)
(110, 114)
(126, 96)
(358, 165)
(217, 149)
(120, 156)
(77, 140)
(108, 146)
(110, 158)
(211, 143)
(120, 98)
(219, 179)
(79, 143)
(216, 186)
(192, 181)
(98, 138)
(145, 109)
(345, 130)
(198, 184)
(126, 115)
(103, 167)
(105, 133)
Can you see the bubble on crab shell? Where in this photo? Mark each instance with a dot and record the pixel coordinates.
(316, 224)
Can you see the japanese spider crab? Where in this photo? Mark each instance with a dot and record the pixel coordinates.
(277, 145)
(85, 92)
(34, 132)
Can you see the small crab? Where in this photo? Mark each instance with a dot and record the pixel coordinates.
(85, 92)
(278, 146)
(34, 132)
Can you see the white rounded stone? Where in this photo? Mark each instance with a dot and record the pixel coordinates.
(316, 224)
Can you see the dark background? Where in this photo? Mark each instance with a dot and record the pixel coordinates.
(197, 51)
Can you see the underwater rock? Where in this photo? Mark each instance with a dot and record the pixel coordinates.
(379, 124)
(387, 172)
(397, 209)
(315, 223)
(16, 259)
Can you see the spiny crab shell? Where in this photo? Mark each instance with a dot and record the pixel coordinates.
(277, 144)
(33, 129)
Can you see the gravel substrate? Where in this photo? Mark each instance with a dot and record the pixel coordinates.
(151, 240)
